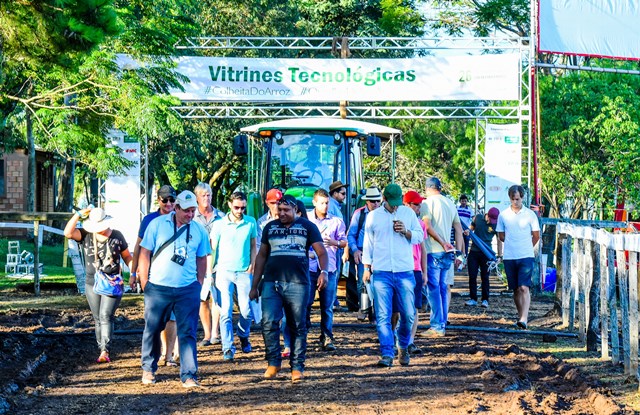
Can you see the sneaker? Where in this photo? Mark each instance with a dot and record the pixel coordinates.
(216, 340)
(148, 378)
(471, 303)
(296, 376)
(385, 361)
(413, 349)
(328, 345)
(227, 356)
(190, 383)
(404, 357)
(271, 372)
(433, 333)
(286, 352)
(103, 358)
(205, 343)
(245, 344)
(362, 316)
(484, 304)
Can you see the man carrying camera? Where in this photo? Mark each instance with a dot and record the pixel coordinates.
(173, 260)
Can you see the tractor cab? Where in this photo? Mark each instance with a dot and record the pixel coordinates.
(300, 155)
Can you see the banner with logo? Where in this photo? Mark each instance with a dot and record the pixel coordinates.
(122, 192)
(503, 163)
(483, 77)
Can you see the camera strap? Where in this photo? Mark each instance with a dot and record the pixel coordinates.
(176, 235)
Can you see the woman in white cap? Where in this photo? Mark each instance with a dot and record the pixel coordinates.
(103, 249)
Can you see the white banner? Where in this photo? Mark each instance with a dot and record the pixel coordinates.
(483, 77)
(590, 27)
(122, 193)
(503, 163)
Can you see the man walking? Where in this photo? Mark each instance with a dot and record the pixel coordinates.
(332, 230)
(282, 265)
(166, 200)
(233, 243)
(357, 293)
(389, 233)
(519, 229)
(465, 213)
(439, 215)
(172, 278)
(206, 215)
(484, 227)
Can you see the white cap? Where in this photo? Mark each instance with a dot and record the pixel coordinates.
(186, 200)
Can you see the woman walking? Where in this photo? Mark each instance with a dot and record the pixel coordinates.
(103, 249)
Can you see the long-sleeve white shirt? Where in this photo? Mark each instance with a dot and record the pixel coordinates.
(387, 250)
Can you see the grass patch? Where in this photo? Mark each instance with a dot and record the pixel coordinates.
(59, 302)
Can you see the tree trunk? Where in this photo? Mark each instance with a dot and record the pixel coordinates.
(64, 200)
(31, 180)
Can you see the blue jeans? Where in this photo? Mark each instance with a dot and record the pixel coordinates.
(226, 283)
(391, 288)
(438, 265)
(159, 302)
(327, 296)
(103, 309)
(292, 299)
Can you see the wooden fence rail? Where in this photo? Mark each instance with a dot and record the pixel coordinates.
(600, 278)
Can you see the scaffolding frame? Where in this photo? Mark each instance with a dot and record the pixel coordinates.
(511, 111)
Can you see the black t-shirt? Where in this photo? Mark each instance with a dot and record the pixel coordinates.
(483, 230)
(109, 263)
(289, 250)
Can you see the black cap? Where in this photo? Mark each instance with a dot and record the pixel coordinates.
(166, 191)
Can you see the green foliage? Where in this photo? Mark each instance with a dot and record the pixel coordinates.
(590, 140)
(456, 17)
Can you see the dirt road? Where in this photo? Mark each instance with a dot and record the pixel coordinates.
(466, 372)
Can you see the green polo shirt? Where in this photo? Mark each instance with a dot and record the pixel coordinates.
(232, 242)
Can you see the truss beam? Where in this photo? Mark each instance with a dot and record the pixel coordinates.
(359, 43)
(214, 110)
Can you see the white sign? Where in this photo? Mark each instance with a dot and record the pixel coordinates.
(594, 28)
(503, 163)
(483, 77)
(122, 193)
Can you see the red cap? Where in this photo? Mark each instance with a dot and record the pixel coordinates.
(493, 214)
(274, 195)
(412, 197)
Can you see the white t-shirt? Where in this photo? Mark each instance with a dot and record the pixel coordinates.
(517, 228)
(442, 214)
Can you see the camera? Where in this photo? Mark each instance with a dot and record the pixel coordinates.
(178, 259)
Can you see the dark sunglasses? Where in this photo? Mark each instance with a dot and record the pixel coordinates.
(169, 200)
(239, 207)
(287, 202)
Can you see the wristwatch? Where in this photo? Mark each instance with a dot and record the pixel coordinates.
(367, 268)
(325, 271)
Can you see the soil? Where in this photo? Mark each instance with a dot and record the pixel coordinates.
(47, 366)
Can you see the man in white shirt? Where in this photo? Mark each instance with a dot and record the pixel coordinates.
(389, 235)
(519, 229)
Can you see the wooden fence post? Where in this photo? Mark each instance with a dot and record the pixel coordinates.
(613, 307)
(566, 281)
(604, 309)
(582, 291)
(575, 260)
(594, 297)
(623, 280)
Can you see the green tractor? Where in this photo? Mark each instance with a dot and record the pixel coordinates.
(300, 155)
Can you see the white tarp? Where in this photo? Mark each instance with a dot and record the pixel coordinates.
(606, 28)
(122, 192)
(484, 77)
(503, 163)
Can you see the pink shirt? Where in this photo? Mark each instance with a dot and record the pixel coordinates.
(417, 249)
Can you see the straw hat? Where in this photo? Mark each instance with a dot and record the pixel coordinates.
(98, 221)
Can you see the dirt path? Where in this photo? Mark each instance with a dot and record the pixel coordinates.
(464, 373)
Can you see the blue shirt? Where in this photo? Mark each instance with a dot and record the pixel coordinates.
(164, 271)
(146, 221)
(335, 208)
(232, 242)
(355, 238)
